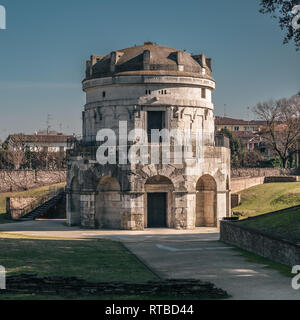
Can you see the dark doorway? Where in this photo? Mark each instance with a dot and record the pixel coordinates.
(157, 210)
(156, 120)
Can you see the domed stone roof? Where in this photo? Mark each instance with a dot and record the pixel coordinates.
(149, 59)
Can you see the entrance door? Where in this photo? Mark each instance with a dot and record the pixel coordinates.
(157, 210)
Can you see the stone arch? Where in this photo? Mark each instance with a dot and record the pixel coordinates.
(108, 203)
(75, 200)
(169, 172)
(206, 202)
(158, 202)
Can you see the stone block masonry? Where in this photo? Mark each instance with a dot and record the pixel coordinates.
(271, 247)
(263, 172)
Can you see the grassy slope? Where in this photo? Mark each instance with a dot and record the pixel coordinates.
(30, 193)
(269, 197)
(285, 224)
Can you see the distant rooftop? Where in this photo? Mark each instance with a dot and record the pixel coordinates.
(41, 137)
(230, 121)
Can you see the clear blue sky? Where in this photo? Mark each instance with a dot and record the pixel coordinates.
(43, 52)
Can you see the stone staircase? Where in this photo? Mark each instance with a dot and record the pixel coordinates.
(43, 209)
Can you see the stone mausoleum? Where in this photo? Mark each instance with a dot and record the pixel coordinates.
(150, 87)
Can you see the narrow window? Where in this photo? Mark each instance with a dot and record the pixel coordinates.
(203, 93)
(103, 94)
(156, 120)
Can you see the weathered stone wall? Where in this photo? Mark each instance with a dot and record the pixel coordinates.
(282, 179)
(240, 184)
(235, 199)
(267, 246)
(243, 183)
(20, 180)
(17, 207)
(263, 172)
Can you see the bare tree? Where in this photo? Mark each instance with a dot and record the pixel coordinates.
(282, 130)
(16, 150)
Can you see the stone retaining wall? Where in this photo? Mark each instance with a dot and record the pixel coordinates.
(20, 180)
(282, 179)
(263, 172)
(240, 184)
(271, 247)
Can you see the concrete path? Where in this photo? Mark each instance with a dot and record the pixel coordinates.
(183, 254)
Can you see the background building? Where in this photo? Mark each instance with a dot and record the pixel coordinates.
(41, 141)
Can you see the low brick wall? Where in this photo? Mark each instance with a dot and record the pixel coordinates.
(271, 247)
(20, 180)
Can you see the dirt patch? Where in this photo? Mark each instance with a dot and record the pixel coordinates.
(59, 285)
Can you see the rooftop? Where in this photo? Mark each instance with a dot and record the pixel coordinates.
(149, 59)
(40, 137)
(231, 121)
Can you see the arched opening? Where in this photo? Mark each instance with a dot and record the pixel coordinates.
(206, 202)
(158, 202)
(108, 204)
(75, 201)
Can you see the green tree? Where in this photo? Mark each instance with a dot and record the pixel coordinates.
(237, 149)
(286, 12)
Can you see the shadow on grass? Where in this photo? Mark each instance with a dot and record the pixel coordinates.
(62, 269)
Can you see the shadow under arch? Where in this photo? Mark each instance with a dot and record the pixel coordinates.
(206, 202)
(158, 202)
(108, 204)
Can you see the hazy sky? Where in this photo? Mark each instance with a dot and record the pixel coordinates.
(43, 53)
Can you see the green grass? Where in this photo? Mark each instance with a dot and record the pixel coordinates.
(30, 193)
(285, 225)
(91, 260)
(269, 264)
(267, 198)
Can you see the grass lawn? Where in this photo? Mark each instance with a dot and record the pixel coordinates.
(267, 198)
(285, 225)
(92, 260)
(30, 193)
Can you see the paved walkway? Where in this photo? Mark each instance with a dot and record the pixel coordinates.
(183, 254)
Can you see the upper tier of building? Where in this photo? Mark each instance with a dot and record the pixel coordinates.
(149, 59)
